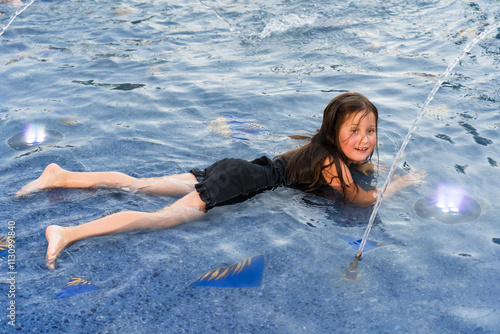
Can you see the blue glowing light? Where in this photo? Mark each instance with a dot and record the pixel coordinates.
(449, 204)
(449, 198)
(34, 134)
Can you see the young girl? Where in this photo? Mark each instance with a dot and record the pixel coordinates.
(348, 135)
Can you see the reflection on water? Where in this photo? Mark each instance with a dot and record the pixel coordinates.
(38, 55)
(121, 86)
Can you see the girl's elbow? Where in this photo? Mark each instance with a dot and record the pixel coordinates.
(364, 200)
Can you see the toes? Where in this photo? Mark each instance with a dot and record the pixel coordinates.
(51, 264)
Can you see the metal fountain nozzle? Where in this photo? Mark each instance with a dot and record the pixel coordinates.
(351, 273)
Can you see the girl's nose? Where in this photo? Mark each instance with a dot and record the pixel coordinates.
(364, 139)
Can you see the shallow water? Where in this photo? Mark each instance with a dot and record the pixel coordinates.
(135, 86)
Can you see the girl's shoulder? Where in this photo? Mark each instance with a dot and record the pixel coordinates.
(332, 174)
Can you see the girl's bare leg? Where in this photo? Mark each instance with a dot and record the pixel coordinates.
(55, 177)
(189, 207)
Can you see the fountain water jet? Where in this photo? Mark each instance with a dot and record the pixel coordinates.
(19, 11)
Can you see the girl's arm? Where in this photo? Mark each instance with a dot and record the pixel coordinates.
(361, 197)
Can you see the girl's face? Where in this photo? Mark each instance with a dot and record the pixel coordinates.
(358, 136)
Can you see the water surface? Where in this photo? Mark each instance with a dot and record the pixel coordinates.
(134, 86)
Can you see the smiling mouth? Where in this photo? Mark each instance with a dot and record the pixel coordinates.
(362, 149)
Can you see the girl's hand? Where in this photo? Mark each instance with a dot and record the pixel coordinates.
(400, 182)
(412, 178)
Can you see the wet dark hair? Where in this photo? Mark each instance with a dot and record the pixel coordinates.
(306, 164)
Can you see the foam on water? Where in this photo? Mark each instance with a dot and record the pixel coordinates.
(287, 22)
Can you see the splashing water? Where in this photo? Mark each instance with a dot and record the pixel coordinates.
(290, 21)
(438, 84)
(19, 11)
(220, 16)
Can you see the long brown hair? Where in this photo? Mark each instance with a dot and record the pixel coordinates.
(306, 164)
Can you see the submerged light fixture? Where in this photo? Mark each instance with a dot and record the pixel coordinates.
(449, 205)
(34, 135)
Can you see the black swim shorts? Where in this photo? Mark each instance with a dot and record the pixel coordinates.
(230, 181)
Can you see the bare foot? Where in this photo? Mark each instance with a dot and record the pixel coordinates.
(45, 181)
(57, 244)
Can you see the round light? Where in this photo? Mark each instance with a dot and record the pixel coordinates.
(468, 211)
(34, 135)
